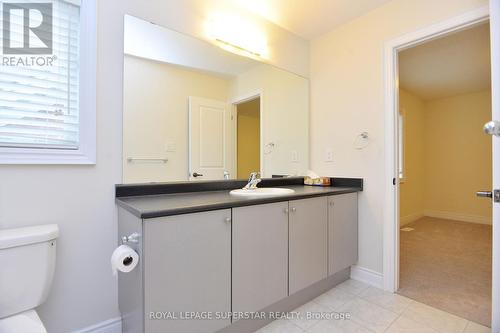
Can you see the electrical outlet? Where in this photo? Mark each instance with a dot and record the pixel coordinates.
(328, 155)
(295, 156)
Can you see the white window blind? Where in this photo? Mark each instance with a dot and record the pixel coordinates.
(39, 105)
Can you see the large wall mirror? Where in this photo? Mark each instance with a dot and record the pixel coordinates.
(193, 111)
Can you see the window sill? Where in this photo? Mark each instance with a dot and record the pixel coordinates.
(46, 156)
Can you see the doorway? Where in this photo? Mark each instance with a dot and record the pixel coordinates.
(445, 230)
(392, 188)
(248, 133)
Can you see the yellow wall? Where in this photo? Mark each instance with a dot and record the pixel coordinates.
(447, 157)
(248, 159)
(458, 155)
(412, 188)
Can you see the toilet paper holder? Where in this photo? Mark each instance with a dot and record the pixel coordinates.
(132, 238)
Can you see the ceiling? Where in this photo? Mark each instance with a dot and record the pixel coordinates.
(309, 18)
(455, 64)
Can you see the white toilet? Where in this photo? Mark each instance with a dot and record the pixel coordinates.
(27, 263)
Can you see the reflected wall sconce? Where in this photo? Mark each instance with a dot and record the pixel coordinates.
(237, 35)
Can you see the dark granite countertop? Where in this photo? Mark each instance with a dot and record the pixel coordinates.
(150, 206)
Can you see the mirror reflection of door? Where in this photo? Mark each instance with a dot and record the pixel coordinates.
(209, 122)
(247, 137)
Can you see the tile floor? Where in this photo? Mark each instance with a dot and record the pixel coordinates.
(372, 311)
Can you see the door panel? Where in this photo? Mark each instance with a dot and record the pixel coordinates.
(342, 232)
(495, 89)
(187, 267)
(260, 256)
(209, 135)
(308, 242)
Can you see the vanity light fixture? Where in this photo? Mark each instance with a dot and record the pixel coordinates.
(237, 35)
(235, 48)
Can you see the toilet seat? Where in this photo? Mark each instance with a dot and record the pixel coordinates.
(27, 321)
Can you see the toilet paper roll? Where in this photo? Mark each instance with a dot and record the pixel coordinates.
(123, 259)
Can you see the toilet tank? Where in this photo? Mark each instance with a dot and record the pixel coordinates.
(27, 263)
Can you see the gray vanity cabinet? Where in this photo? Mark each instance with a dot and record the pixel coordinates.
(187, 267)
(342, 232)
(259, 256)
(308, 223)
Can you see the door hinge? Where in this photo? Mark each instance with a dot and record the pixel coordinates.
(496, 196)
(393, 181)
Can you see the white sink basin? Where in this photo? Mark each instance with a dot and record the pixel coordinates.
(263, 192)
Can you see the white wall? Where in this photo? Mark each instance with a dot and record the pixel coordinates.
(347, 92)
(80, 199)
(158, 115)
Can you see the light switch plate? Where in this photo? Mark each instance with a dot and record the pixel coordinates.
(295, 156)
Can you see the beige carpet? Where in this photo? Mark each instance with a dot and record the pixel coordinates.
(447, 264)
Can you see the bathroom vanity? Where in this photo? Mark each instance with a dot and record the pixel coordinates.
(209, 260)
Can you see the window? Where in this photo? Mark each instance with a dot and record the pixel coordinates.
(47, 82)
(401, 145)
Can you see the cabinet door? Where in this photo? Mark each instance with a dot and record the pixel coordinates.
(187, 268)
(342, 232)
(308, 242)
(260, 256)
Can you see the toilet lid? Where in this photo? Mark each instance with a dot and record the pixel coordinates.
(27, 321)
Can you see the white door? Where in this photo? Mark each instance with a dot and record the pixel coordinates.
(209, 134)
(495, 89)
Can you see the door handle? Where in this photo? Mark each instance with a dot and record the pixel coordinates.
(495, 195)
(196, 174)
(492, 128)
(484, 194)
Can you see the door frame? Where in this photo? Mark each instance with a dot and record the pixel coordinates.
(391, 190)
(234, 104)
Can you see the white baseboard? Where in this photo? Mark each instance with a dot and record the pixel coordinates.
(410, 218)
(367, 276)
(113, 325)
(458, 216)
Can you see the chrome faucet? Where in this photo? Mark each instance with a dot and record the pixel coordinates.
(253, 181)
